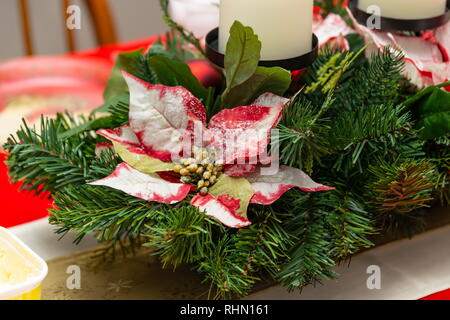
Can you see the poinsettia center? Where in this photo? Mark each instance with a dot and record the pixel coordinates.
(201, 171)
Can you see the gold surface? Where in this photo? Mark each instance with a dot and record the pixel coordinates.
(138, 277)
(141, 277)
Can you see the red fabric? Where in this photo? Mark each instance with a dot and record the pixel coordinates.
(22, 207)
(443, 295)
(19, 207)
(111, 51)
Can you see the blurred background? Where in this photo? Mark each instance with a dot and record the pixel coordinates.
(133, 19)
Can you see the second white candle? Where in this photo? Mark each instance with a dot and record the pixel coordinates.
(406, 9)
(283, 26)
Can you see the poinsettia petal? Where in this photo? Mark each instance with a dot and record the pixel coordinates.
(139, 160)
(144, 186)
(332, 30)
(269, 188)
(162, 117)
(242, 133)
(123, 135)
(270, 100)
(443, 38)
(222, 208)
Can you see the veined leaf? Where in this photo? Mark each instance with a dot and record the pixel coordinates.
(242, 55)
(274, 80)
(174, 73)
(131, 62)
(432, 108)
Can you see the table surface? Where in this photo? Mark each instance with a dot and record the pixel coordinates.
(410, 269)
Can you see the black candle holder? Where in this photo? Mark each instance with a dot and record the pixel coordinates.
(292, 64)
(390, 24)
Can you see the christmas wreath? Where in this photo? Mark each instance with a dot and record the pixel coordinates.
(137, 172)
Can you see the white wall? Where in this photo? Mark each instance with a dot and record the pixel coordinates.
(134, 19)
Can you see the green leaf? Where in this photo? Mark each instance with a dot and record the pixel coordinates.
(242, 55)
(424, 93)
(174, 73)
(109, 105)
(432, 108)
(275, 80)
(90, 125)
(132, 62)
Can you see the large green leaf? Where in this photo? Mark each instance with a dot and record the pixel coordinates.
(132, 62)
(174, 73)
(432, 109)
(275, 80)
(242, 55)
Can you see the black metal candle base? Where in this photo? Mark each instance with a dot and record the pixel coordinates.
(390, 24)
(297, 63)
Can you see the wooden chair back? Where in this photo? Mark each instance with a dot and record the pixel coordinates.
(100, 14)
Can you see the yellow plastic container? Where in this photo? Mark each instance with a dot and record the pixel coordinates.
(21, 270)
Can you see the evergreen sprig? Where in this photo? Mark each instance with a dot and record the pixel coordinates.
(87, 209)
(43, 161)
(302, 134)
(399, 191)
(180, 235)
(186, 35)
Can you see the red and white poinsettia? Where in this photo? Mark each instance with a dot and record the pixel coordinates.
(219, 171)
(332, 31)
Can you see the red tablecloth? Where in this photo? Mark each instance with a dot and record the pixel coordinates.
(443, 295)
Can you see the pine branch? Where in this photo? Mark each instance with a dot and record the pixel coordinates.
(350, 224)
(309, 259)
(174, 47)
(438, 151)
(238, 259)
(399, 191)
(358, 81)
(108, 213)
(220, 270)
(180, 235)
(372, 82)
(359, 136)
(328, 75)
(186, 35)
(44, 161)
(302, 134)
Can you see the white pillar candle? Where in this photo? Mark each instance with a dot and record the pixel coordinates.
(284, 27)
(406, 9)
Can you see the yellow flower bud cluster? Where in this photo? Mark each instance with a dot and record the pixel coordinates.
(201, 171)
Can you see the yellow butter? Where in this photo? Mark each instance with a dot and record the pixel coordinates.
(14, 267)
(21, 270)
